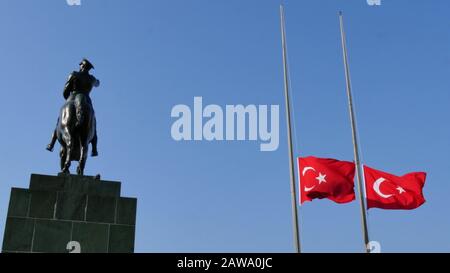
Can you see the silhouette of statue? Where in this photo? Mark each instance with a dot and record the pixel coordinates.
(76, 126)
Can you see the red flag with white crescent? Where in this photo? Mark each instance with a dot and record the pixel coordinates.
(326, 178)
(388, 191)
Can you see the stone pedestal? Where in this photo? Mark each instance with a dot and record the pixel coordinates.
(70, 213)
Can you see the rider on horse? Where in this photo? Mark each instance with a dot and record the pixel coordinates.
(80, 82)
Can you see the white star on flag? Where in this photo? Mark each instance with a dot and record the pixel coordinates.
(321, 178)
(400, 190)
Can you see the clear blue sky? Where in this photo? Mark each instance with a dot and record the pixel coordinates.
(229, 196)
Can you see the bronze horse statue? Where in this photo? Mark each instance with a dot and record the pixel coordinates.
(76, 126)
(75, 130)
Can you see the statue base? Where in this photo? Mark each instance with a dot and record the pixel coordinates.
(70, 213)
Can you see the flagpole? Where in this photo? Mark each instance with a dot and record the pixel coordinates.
(289, 134)
(354, 137)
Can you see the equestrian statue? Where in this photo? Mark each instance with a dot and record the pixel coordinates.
(76, 126)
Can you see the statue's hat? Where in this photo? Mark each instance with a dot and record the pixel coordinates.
(88, 63)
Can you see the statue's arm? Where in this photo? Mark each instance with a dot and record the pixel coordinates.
(96, 82)
(68, 87)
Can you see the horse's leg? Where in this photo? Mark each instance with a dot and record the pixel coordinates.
(52, 142)
(54, 138)
(69, 149)
(62, 156)
(84, 147)
(94, 145)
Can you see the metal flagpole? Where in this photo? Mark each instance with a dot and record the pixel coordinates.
(289, 133)
(355, 139)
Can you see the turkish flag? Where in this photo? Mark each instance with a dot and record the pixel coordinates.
(387, 191)
(326, 178)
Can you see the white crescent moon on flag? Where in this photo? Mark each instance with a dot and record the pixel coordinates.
(376, 188)
(305, 169)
